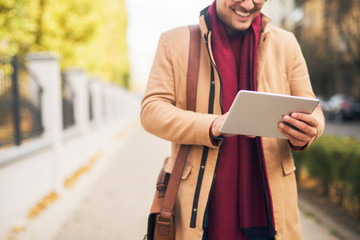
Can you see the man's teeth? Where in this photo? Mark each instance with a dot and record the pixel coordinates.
(242, 14)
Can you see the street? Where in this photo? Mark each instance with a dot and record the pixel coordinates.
(344, 129)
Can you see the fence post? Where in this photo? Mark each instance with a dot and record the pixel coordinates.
(16, 100)
(78, 82)
(46, 67)
(97, 104)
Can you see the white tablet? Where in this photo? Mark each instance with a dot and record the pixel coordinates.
(258, 113)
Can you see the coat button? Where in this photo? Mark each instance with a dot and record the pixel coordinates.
(195, 210)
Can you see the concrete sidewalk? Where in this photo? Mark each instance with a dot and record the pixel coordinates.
(116, 205)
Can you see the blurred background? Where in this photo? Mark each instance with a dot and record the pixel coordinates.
(72, 74)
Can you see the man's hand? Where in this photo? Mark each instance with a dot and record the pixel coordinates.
(215, 130)
(216, 127)
(303, 128)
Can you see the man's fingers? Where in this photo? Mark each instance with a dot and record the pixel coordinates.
(307, 118)
(296, 137)
(217, 124)
(303, 123)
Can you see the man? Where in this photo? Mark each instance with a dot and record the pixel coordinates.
(233, 187)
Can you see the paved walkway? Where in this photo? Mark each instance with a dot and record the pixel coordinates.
(117, 205)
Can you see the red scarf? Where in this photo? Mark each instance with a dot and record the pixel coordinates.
(240, 201)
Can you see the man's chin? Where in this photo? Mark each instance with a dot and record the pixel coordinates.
(240, 28)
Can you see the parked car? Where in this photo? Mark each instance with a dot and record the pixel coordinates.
(357, 109)
(323, 103)
(340, 107)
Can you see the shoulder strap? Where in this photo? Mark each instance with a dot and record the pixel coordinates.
(193, 67)
(167, 209)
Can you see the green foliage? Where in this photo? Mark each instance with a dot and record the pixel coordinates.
(335, 163)
(15, 27)
(87, 34)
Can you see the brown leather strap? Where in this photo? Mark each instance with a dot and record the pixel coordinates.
(191, 85)
(193, 67)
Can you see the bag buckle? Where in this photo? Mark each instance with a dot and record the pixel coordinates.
(163, 225)
(163, 221)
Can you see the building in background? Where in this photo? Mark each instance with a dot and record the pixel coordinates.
(284, 13)
(329, 34)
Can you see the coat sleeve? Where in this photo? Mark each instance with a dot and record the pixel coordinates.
(159, 112)
(300, 84)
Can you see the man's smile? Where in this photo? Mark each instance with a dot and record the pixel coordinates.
(241, 14)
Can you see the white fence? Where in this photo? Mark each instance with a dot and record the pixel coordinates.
(40, 169)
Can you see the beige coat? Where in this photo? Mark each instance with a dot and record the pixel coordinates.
(281, 69)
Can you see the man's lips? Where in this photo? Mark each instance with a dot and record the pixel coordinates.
(241, 14)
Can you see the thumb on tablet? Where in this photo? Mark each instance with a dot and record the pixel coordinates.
(217, 124)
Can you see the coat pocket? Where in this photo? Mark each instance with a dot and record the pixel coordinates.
(287, 161)
(288, 166)
(187, 171)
